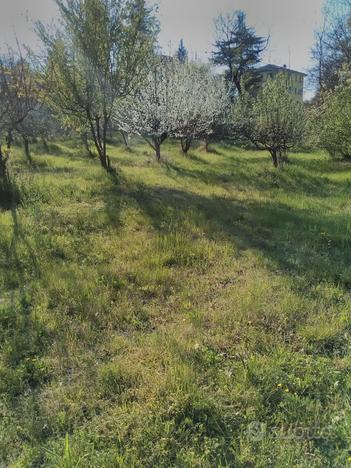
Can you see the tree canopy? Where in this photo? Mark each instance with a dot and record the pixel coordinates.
(150, 112)
(330, 120)
(182, 52)
(238, 48)
(274, 121)
(180, 100)
(96, 55)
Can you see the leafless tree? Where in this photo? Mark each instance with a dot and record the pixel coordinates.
(332, 49)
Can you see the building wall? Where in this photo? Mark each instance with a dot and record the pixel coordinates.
(295, 81)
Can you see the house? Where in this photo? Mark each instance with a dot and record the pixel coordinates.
(295, 78)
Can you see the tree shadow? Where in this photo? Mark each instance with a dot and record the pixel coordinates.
(296, 240)
(66, 152)
(52, 149)
(193, 157)
(16, 274)
(326, 166)
(45, 169)
(293, 178)
(114, 198)
(212, 150)
(25, 338)
(10, 195)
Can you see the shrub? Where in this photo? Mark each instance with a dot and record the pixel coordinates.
(330, 122)
(274, 121)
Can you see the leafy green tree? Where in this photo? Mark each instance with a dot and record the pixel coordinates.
(330, 121)
(238, 48)
(274, 121)
(182, 53)
(96, 56)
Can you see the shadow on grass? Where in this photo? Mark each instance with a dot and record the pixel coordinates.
(10, 195)
(25, 339)
(295, 240)
(293, 179)
(55, 149)
(52, 149)
(304, 242)
(45, 168)
(114, 198)
(193, 157)
(325, 166)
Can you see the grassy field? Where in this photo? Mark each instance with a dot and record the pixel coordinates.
(194, 313)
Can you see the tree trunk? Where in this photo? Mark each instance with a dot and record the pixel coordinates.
(125, 139)
(207, 146)
(3, 169)
(186, 144)
(237, 84)
(3, 166)
(104, 159)
(85, 141)
(45, 144)
(26, 149)
(158, 151)
(9, 138)
(104, 151)
(274, 157)
(99, 134)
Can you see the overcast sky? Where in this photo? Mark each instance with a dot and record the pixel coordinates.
(290, 24)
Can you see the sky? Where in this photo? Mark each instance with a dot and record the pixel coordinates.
(289, 23)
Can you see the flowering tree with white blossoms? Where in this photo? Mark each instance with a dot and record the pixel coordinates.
(150, 112)
(179, 100)
(201, 101)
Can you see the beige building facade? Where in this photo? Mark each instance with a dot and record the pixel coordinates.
(295, 78)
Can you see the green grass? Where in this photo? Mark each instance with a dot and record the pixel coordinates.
(194, 313)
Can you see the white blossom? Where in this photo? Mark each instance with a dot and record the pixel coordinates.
(179, 100)
(202, 99)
